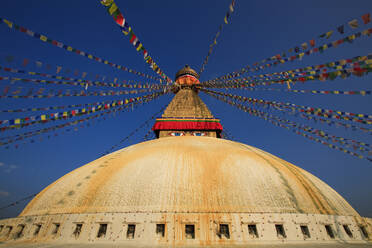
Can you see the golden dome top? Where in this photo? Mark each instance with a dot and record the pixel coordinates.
(189, 174)
(186, 70)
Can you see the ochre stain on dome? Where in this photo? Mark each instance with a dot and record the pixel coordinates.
(189, 174)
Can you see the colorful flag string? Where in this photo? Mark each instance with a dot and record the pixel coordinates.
(226, 21)
(135, 131)
(309, 70)
(18, 201)
(71, 49)
(321, 49)
(17, 94)
(274, 120)
(43, 118)
(84, 82)
(326, 92)
(25, 135)
(356, 71)
(118, 17)
(34, 109)
(328, 113)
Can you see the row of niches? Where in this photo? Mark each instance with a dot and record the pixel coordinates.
(189, 230)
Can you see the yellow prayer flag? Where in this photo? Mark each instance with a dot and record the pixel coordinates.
(107, 2)
(113, 8)
(32, 73)
(43, 38)
(90, 56)
(139, 47)
(105, 62)
(43, 117)
(9, 23)
(69, 49)
(17, 121)
(325, 46)
(125, 32)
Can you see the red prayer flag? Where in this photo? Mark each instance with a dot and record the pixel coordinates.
(312, 43)
(133, 37)
(25, 62)
(366, 18)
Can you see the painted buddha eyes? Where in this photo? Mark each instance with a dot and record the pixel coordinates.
(189, 133)
(177, 134)
(198, 134)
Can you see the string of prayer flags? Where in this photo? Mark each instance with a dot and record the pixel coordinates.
(328, 113)
(276, 121)
(59, 69)
(264, 63)
(35, 109)
(318, 118)
(326, 92)
(134, 131)
(68, 93)
(43, 118)
(25, 135)
(18, 201)
(226, 18)
(118, 17)
(359, 70)
(75, 82)
(338, 65)
(59, 44)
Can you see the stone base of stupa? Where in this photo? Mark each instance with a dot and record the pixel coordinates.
(41, 231)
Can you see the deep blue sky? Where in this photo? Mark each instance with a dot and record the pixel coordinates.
(177, 33)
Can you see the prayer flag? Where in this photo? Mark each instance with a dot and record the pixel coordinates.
(340, 29)
(366, 18)
(112, 8)
(329, 33)
(304, 46)
(25, 62)
(353, 23)
(312, 43)
(59, 68)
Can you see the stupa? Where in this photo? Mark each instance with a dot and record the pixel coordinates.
(187, 188)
